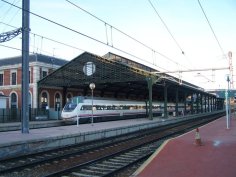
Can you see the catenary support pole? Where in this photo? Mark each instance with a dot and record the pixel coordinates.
(25, 67)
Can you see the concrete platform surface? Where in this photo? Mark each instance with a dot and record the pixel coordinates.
(181, 157)
(14, 143)
(12, 137)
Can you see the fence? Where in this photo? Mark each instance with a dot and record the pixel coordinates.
(35, 114)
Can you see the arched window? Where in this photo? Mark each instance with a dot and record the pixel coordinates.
(44, 100)
(68, 97)
(13, 100)
(57, 102)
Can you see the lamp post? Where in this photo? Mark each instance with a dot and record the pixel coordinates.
(227, 104)
(92, 87)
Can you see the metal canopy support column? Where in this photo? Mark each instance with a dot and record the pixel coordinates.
(201, 103)
(214, 104)
(211, 104)
(64, 96)
(191, 107)
(25, 67)
(177, 103)
(185, 103)
(150, 83)
(208, 101)
(197, 103)
(165, 102)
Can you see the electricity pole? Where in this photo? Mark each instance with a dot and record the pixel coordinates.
(25, 67)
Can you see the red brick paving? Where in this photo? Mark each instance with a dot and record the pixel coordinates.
(180, 157)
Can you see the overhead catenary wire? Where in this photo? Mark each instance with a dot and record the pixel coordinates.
(14, 48)
(208, 22)
(13, 17)
(90, 38)
(82, 34)
(166, 27)
(203, 11)
(127, 35)
(10, 47)
(152, 50)
(8, 10)
(47, 38)
(111, 36)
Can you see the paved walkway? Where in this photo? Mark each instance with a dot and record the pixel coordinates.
(180, 157)
(51, 132)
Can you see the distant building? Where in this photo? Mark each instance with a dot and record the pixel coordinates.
(11, 73)
(220, 93)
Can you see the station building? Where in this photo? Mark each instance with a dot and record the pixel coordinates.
(11, 74)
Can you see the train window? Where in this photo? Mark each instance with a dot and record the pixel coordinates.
(86, 107)
(124, 107)
(117, 107)
(70, 107)
(98, 107)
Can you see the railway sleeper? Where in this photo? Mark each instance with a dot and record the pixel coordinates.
(82, 174)
(109, 165)
(127, 159)
(139, 151)
(92, 172)
(119, 160)
(102, 170)
(130, 155)
(96, 167)
(114, 163)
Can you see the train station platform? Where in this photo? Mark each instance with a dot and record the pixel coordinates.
(181, 157)
(13, 143)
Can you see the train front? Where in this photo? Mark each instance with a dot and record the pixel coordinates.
(71, 109)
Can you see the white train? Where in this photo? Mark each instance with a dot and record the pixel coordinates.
(81, 107)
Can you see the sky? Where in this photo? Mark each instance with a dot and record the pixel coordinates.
(173, 35)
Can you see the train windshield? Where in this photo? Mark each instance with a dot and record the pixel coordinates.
(69, 107)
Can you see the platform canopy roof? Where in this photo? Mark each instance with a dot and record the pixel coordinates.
(115, 74)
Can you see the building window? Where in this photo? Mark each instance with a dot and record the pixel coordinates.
(13, 100)
(44, 100)
(69, 97)
(44, 74)
(13, 78)
(1, 79)
(57, 102)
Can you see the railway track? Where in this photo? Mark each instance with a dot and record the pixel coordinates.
(94, 159)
